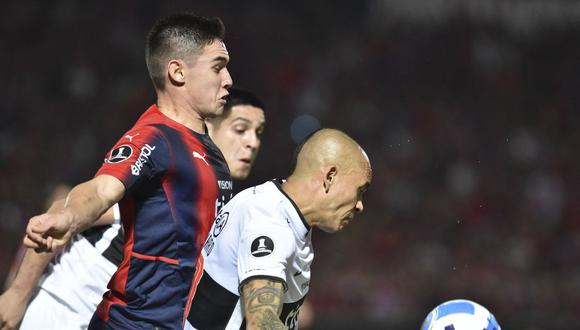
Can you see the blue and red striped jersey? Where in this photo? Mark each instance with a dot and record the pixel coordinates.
(175, 179)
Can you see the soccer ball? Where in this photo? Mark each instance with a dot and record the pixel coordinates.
(460, 314)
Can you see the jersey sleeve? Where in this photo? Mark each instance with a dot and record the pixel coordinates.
(264, 250)
(140, 155)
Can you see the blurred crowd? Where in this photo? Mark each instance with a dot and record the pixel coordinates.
(471, 129)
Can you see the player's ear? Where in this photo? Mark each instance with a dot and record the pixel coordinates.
(176, 72)
(329, 177)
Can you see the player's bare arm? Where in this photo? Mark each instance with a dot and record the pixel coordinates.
(84, 205)
(262, 304)
(108, 218)
(13, 302)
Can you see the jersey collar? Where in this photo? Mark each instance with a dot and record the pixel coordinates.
(278, 184)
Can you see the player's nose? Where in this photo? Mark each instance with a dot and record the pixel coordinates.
(253, 141)
(359, 207)
(227, 80)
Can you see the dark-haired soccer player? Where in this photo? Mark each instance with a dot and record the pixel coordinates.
(238, 131)
(74, 283)
(165, 173)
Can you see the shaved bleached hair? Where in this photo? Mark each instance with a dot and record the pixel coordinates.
(178, 36)
(329, 146)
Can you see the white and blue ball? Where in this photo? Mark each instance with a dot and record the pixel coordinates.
(460, 314)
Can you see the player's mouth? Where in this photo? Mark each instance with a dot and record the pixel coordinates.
(246, 161)
(347, 220)
(222, 100)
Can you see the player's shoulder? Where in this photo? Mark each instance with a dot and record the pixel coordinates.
(263, 202)
(146, 129)
(152, 125)
(151, 122)
(263, 195)
(145, 136)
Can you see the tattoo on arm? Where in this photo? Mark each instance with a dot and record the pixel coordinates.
(262, 304)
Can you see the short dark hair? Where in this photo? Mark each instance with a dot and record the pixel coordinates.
(177, 37)
(240, 96)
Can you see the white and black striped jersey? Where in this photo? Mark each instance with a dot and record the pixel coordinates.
(260, 233)
(78, 276)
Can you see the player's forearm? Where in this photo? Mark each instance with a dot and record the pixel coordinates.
(29, 272)
(106, 218)
(262, 304)
(89, 201)
(83, 208)
(264, 320)
(109, 217)
(85, 204)
(32, 265)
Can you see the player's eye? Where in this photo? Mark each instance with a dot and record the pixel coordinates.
(240, 129)
(362, 190)
(259, 132)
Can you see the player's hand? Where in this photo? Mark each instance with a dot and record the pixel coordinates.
(12, 307)
(48, 231)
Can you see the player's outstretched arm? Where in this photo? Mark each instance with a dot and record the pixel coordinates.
(262, 304)
(108, 218)
(84, 205)
(14, 300)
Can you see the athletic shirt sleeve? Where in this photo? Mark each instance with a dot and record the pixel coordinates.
(137, 157)
(265, 247)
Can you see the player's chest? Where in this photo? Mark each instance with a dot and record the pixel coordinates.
(298, 276)
(196, 162)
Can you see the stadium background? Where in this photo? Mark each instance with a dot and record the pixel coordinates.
(468, 110)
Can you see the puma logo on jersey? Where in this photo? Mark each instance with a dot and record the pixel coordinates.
(130, 137)
(198, 155)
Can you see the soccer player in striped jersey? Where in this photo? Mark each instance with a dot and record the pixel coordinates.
(164, 173)
(254, 270)
(74, 283)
